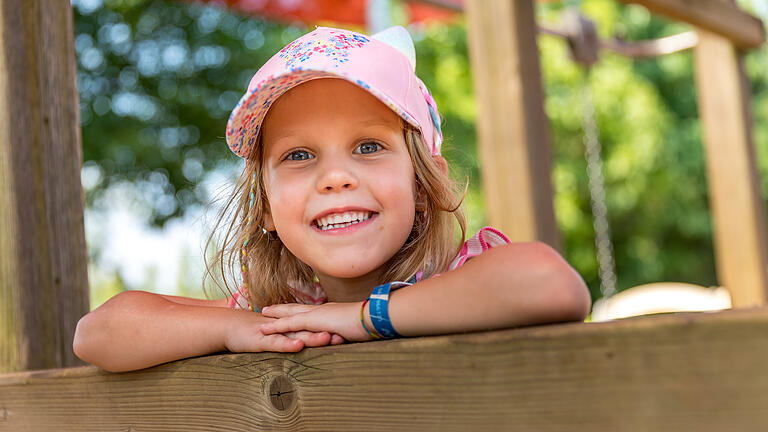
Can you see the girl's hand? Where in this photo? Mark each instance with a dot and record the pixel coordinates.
(245, 336)
(341, 319)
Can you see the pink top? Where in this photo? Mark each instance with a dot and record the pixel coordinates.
(485, 239)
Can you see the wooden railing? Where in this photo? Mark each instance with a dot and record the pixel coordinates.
(698, 371)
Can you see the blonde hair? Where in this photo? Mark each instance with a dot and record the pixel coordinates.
(270, 265)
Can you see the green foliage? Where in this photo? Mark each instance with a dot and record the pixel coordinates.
(157, 81)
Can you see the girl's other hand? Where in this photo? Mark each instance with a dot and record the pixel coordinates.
(247, 337)
(340, 319)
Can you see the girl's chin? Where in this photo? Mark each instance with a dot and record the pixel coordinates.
(347, 271)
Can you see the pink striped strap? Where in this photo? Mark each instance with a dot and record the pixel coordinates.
(240, 300)
(485, 239)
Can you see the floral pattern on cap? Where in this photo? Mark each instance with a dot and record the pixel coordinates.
(336, 47)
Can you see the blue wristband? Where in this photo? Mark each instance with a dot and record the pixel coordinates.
(378, 309)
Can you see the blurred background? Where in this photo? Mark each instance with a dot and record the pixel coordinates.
(158, 79)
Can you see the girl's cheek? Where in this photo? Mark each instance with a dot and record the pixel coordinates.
(290, 197)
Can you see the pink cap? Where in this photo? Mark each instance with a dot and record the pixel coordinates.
(382, 64)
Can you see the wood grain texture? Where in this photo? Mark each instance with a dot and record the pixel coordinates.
(701, 371)
(735, 198)
(717, 16)
(513, 134)
(43, 277)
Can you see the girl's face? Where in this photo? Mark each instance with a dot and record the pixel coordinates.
(339, 178)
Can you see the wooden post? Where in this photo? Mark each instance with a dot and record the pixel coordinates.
(43, 279)
(735, 199)
(512, 127)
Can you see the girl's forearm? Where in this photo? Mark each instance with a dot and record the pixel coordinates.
(137, 329)
(513, 285)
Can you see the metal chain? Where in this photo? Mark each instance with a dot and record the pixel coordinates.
(592, 150)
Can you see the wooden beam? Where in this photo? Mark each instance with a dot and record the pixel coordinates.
(512, 127)
(723, 18)
(702, 371)
(734, 189)
(43, 281)
(717, 16)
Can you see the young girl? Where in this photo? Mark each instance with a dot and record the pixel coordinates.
(344, 198)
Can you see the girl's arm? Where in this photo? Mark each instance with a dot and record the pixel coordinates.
(507, 286)
(224, 302)
(137, 329)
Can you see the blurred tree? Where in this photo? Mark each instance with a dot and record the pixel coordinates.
(157, 81)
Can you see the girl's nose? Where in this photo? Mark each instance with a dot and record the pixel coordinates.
(336, 179)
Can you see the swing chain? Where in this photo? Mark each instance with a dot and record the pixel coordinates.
(592, 153)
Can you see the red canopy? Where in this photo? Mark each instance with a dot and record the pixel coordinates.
(346, 12)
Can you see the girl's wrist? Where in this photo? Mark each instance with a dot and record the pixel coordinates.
(236, 322)
(379, 302)
(365, 321)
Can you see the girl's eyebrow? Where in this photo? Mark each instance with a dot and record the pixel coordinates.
(285, 133)
(378, 121)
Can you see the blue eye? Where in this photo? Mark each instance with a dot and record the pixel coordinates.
(368, 147)
(299, 155)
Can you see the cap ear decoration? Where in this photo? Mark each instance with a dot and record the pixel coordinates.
(398, 38)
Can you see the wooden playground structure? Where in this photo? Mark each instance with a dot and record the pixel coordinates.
(700, 371)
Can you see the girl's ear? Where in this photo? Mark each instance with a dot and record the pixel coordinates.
(442, 164)
(268, 224)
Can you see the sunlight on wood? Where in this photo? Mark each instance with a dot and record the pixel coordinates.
(662, 297)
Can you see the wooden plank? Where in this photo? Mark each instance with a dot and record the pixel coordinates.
(702, 372)
(512, 127)
(735, 199)
(721, 17)
(43, 279)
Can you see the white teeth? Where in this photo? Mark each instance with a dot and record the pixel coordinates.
(341, 220)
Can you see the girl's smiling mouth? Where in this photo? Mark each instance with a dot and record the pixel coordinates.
(341, 220)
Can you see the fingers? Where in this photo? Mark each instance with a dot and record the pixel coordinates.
(281, 343)
(311, 339)
(285, 310)
(337, 339)
(294, 327)
(284, 325)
